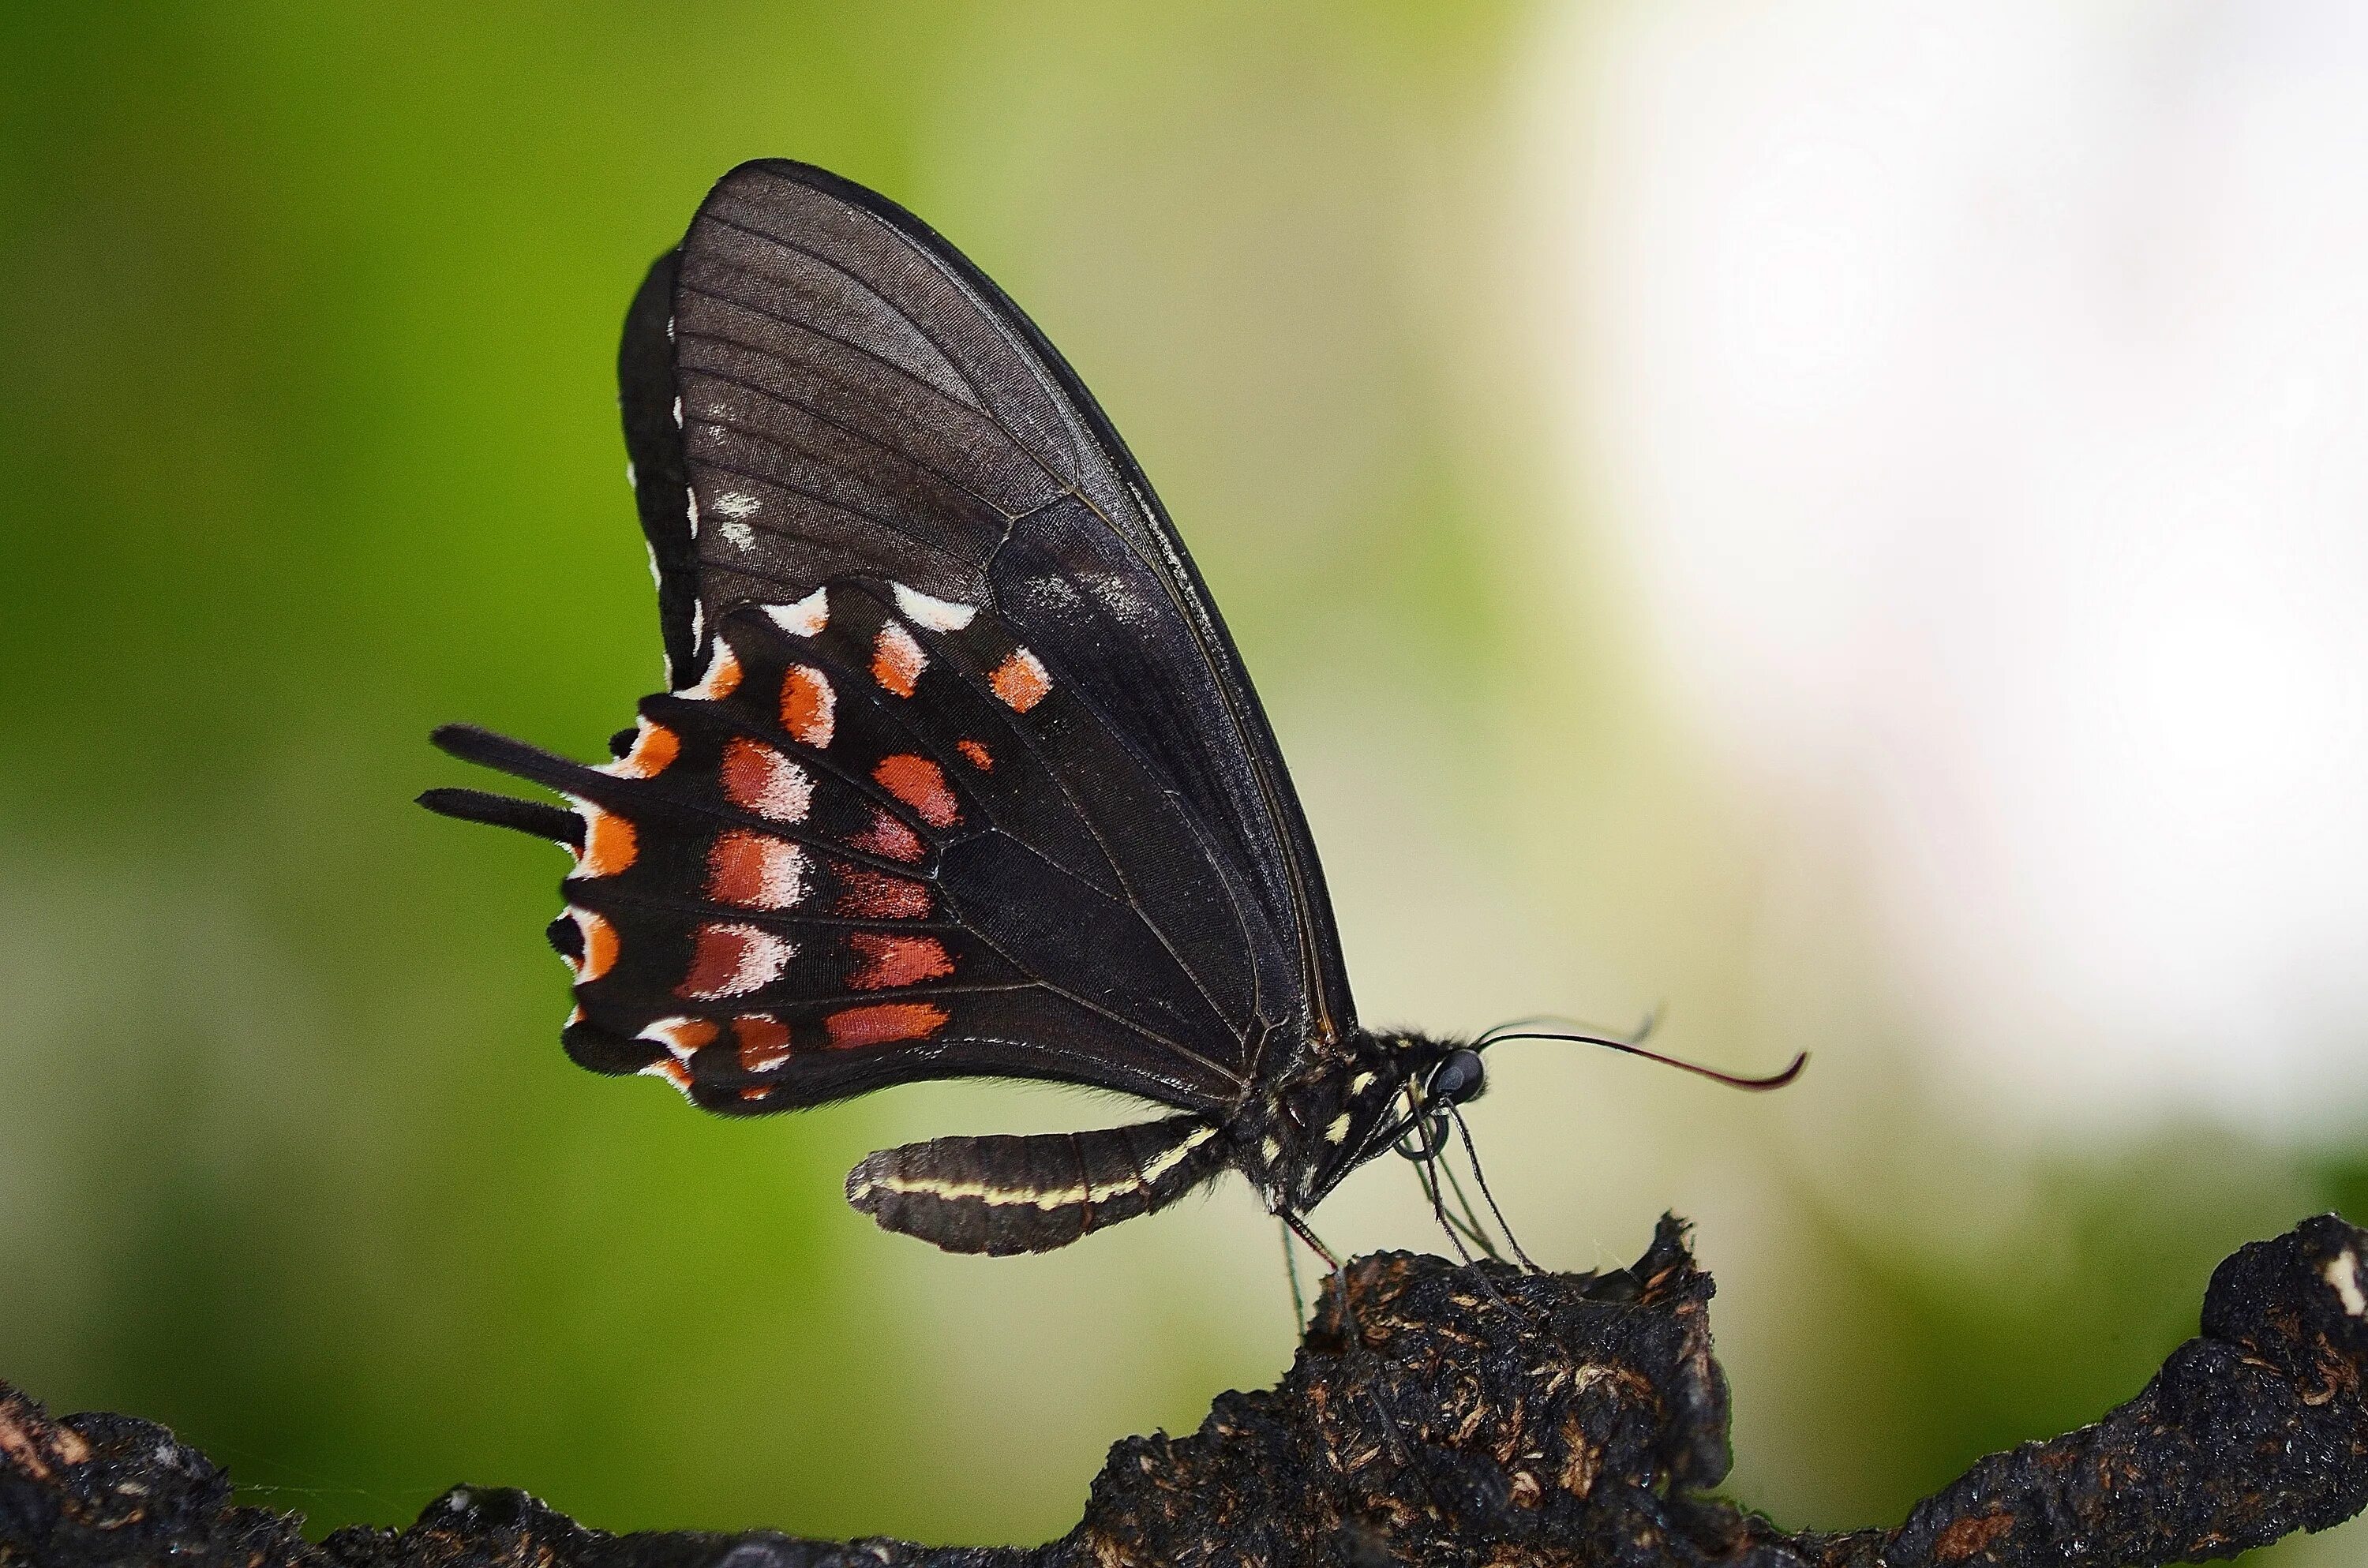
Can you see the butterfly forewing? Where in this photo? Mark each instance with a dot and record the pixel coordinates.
(831, 396)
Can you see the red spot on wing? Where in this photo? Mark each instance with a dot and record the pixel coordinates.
(756, 871)
(920, 784)
(887, 837)
(763, 1042)
(884, 1023)
(1020, 680)
(755, 1092)
(875, 895)
(898, 660)
(609, 844)
(760, 779)
(887, 962)
(979, 757)
(730, 960)
(809, 706)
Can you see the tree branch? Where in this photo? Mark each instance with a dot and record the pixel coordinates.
(1562, 1419)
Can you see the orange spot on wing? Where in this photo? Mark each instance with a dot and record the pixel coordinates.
(653, 747)
(600, 946)
(681, 1036)
(809, 706)
(898, 660)
(884, 1024)
(609, 844)
(756, 871)
(888, 962)
(920, 784)
(875, 895)
(1020, 680)
(977, 753)
(722, 676)
(755, 1092)
(760, 779)
(763, 1042)
(730, 960)
(887, 837)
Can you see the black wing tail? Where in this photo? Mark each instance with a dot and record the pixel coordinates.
(1003, 1194)
(552, 823)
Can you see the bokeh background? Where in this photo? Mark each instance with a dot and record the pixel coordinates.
(1844, 522)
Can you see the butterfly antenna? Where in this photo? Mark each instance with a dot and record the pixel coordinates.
(1637, 1036)
(1629, 1047)
(1472, 1152)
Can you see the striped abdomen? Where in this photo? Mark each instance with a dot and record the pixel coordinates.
(1003, 1194)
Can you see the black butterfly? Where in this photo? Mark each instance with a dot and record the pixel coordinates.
(961, 776)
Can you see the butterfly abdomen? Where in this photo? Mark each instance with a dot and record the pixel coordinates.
(1003, 1194)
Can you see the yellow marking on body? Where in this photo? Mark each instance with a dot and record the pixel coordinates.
(1000, 1196)
(1049, 1199)
(1338, 1129)
(1359, 1084)
(1272, 1149)
(1173, 1157)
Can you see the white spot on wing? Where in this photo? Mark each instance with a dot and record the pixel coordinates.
(678, 411)
(736, 532)
(722, 668)
(633, 481)
(692, 510)
(805, 619)
(737, 503)
(680, 1035)
(938, 615)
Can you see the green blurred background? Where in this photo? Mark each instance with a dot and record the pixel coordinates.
(309, 444)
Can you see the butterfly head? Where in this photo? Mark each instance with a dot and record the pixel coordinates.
(1350, 1105)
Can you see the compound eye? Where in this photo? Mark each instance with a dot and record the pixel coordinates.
(1458, 1077)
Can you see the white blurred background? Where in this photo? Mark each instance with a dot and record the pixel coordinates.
(1976, 392)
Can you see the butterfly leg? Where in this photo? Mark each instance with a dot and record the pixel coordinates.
(1002, 1195)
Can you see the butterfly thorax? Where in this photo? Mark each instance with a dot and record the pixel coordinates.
(1299, 1141)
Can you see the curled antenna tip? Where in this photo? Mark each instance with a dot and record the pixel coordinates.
(1776, 1080)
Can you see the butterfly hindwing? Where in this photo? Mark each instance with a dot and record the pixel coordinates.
(863, 849)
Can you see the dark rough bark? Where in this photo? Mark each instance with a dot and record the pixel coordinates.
(1559, 1419)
